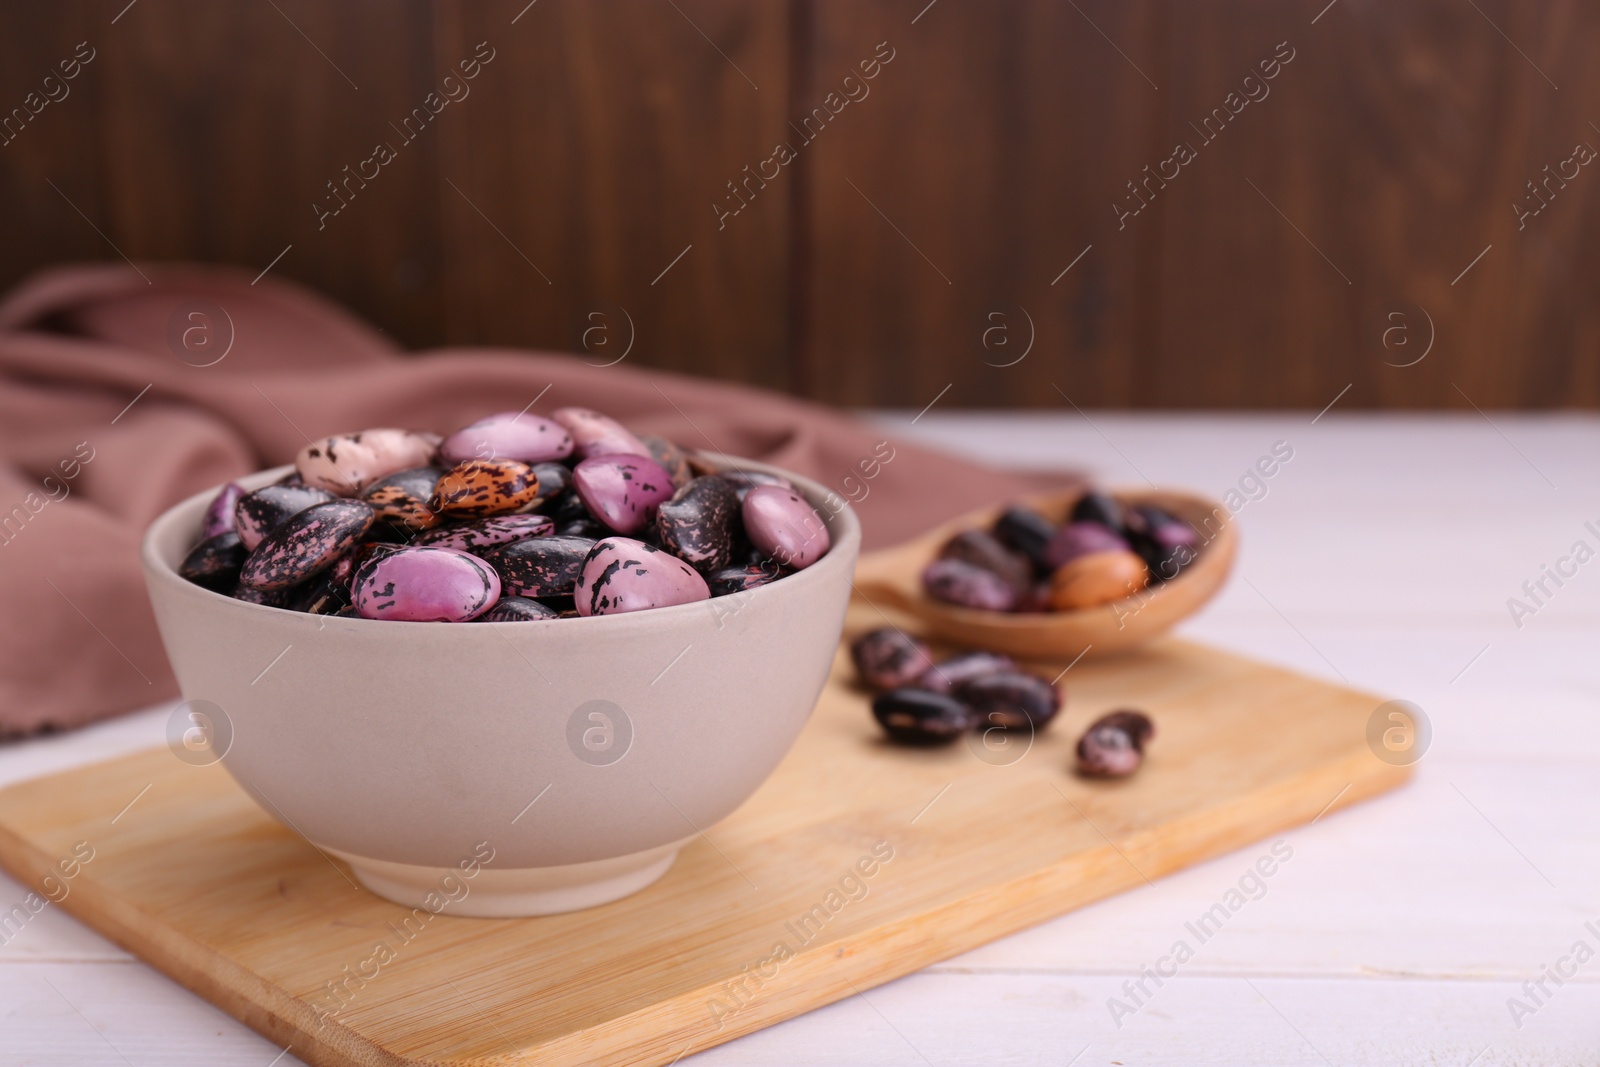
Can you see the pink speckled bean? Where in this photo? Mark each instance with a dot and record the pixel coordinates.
(306, 544)
(595, 434)
(622, 491)
(784, 526)
(509, 435)
(346, 463)
(425, 585)
(622, 575)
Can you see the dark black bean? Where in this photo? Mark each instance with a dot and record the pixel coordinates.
(390, 532)
(1113, 746)
(554, 480)
(1026, 531)
(745, 554)
(517, 609)
(587, 528)
(1096, 506)
(1166, 543)
(955, 581)
(649, 535)
(566, 507)
(540, 566)
(1165, 527)
(259, 513)
(698, 524)
(272, 598)
(1164, 563)
(215, 562)
(1011, 700)
(945, 675)
(921, 717)
(889, 658)
(983, 549)
(323, 595)
(751, 576)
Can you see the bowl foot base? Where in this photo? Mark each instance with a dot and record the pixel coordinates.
(512, 893)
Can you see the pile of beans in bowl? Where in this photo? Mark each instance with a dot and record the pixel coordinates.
(1025, 562)
(516, 517)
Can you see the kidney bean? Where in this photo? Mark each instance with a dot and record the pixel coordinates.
(215, 562)
(920, 717)
(1096, 579)
(983, 549)
(697, 525)
(748, 576)
(958, 582)
(945, 675)
(1011, 700)
(1027, 532)
(540, 566)
(1113, 745)
(1097, 506)
(1081, 538)
(889, 658)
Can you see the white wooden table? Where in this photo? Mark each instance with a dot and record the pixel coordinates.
(1384, 553)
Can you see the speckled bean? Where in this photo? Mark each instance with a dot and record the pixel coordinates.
(345, 462)
(889, 658)
(783, 526)
(1113, 746)
(699, 523)
(425, 585)
(259, 513)
(478, 488)
(921, 717)
(955, 581)
(540, 566)
(622, 491)
(622, 575)
(516, 435)
(306, 544)
(219, 517)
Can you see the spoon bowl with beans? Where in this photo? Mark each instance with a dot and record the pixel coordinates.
(1056, 575)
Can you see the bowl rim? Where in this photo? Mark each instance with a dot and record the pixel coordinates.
(844, 531)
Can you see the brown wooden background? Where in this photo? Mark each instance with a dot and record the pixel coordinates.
(985, 158)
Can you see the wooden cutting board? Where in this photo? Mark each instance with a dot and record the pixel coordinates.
(854, 864)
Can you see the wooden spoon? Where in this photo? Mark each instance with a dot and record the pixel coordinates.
(892, 577)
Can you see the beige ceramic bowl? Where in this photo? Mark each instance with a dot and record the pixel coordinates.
(582, 752)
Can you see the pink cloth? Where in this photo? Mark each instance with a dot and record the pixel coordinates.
(82, 472)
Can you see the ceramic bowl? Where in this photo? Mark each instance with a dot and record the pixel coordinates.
(579, 753)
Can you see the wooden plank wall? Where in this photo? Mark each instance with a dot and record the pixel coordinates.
(617, 165)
